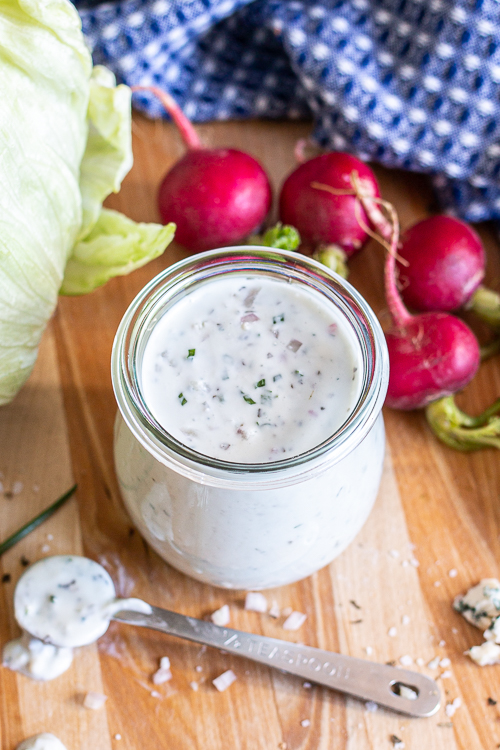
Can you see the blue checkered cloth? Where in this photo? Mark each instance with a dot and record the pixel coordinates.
(413, 84)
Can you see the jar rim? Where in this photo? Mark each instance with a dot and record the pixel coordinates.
(174, 281)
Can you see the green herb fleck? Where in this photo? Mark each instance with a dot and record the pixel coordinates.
(248, 399)
(279, 318)
(276, 377)
(52, 598)
(191, 353)
(182, 398)
(260, 383)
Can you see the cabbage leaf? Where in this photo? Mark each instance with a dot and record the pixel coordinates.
(65, 144)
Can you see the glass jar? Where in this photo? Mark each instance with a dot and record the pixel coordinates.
(242, 525)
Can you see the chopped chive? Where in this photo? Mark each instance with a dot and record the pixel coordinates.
(33, 524)
(277, 377)
(182, 398)
(248, 399)
(279, 318)
(260, 383)
(191, 353)
(52, 598)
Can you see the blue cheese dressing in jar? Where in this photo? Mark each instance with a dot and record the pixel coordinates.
(249, 442)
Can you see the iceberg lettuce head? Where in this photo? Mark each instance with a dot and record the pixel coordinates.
(65, 144)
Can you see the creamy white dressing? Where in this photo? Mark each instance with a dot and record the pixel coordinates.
(61, 603)
(251, 369)
(36, 659)
(44, 741)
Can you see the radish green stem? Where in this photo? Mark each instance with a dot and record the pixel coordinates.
(333, 257)
(35, 522)
(486, 304)
(188, 133)
(489, 350)
(461, 431)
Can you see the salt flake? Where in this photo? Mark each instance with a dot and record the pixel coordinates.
(224, 680)
(294, 621)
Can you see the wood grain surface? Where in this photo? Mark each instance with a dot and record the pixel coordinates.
(437, 511)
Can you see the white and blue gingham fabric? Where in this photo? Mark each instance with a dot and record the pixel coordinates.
(408, 83)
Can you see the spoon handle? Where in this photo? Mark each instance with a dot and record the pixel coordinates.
(383, 684)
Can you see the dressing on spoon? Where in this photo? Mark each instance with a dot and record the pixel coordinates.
(61, 602)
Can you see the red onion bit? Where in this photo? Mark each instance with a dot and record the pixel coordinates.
(294, 345)
(249, 318)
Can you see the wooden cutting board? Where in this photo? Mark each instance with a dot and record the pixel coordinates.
(433, 533)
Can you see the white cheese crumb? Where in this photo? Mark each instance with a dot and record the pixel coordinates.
(398, 745)
(414, 562)
(94, 701)
(481, 604)
(50, 537)
(419, 662)
(45, 548)
(437, 583)
(450, 708)
(193, 685)
(442, 644)
(118, 736)
(485, 654)
(369, 650)
(445, 675)
(294, 621)
(199, 668)
(287, 611)
(255, 602)
(305, 723)
(405, 620)
(453, 573)
(392, 632)
(155, 694)
(394, 553)
(406, 660)
(17, 488)
(408, 693)
(371, 707)
(224, 680)
(445, 662)
(164, 662)
(306, 685)
(405, 563)
(221, 616)
(274, 610)
(434, 663)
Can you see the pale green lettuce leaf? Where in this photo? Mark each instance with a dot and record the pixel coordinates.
(65, 144)
(45, 69)
(115, 246)
(108, 154)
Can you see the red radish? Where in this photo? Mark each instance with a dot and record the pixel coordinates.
(431, 355)
(445, 264)
(334, 217)
(215, 196)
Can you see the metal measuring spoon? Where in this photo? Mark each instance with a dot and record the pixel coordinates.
(67, 601)
(399, 689)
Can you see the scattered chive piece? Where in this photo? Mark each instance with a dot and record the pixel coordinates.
(276, 377)
(191, 353)
(52, 598)
(32, 525)
(248, 399)
(279, 318)
(261, 383)
(183, 399)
